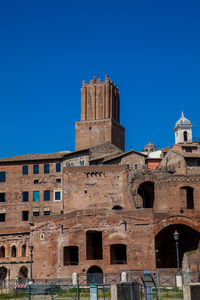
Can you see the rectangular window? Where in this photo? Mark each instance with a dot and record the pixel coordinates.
(47, 195)
(25, 196)
(2, 197)
(25, 215)
(25, 170)
(57, 195)
(2, 176)
(36, 196)
(58, 180)
(47, 213)
(36, 169)
(58, 167)
(46, 168)
(70, 256)
(36, 214)
(36, 181)
(2, 217)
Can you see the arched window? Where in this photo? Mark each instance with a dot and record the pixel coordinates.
(13, 251)
(23, 250)
(185, 136)
(117, 207)
(146, 194)
(2, 251)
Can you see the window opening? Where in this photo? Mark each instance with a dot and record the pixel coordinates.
(36, 169)
(2, 251)
(46, 168)
(2, 176)
(70, 256)
(36, 196)
(2, 197)
(118, 254)
(25, 170)
(2, 217)
(58, 167)
(47, 195)
(13, 251)
(94, 245)
(23, 250)
(25, 215)
(25, 196)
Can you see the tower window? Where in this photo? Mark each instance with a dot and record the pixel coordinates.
(25, 196)
(25, 215)
(185, 136)
(58, 167)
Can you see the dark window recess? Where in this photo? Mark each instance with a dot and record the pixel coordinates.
(25, 170)
(36, 181)
(188, 149)
(187, 193)
(2, 197)
(117, 207)
(25, 196)
(2, 251)
(82, 162)
(25, 215)
(46, 168)
(23, 250)
(36, 214)
(185, 137)
(2, 176)
(198, 163)
(2, 217)
(136, 166)
(36, 169)
(70, 256)
(58, 180)
(47, 213)
(47, 195)
(13, 251)
(94, 245)
(118, 254)
(58, 167)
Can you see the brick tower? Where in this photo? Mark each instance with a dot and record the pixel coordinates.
(100, 110)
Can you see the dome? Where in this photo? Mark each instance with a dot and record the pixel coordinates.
(183, 123)
(150, 147)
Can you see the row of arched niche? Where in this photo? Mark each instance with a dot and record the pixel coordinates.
(13, 251)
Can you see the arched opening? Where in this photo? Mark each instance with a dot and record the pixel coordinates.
(3, 273)
(117, 207)
(13, 251)
(146, 193)
(2, 251)
(94, 275)
(23, 274)
(185, 138)
(187, 197)
(23, 250)
(166, 248)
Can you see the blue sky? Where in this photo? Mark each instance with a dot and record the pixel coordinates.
(150, 49)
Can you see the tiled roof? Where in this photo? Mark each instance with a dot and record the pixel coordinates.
(32, 157)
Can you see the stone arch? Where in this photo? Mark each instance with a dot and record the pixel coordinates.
(117, 207)
(145, 195)
(187, 197)
(94, 275)
(13, 251)
(23, 274)
(2, 251)
(3, 273)
(166, 248)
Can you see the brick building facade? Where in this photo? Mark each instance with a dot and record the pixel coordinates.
(98, 209)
